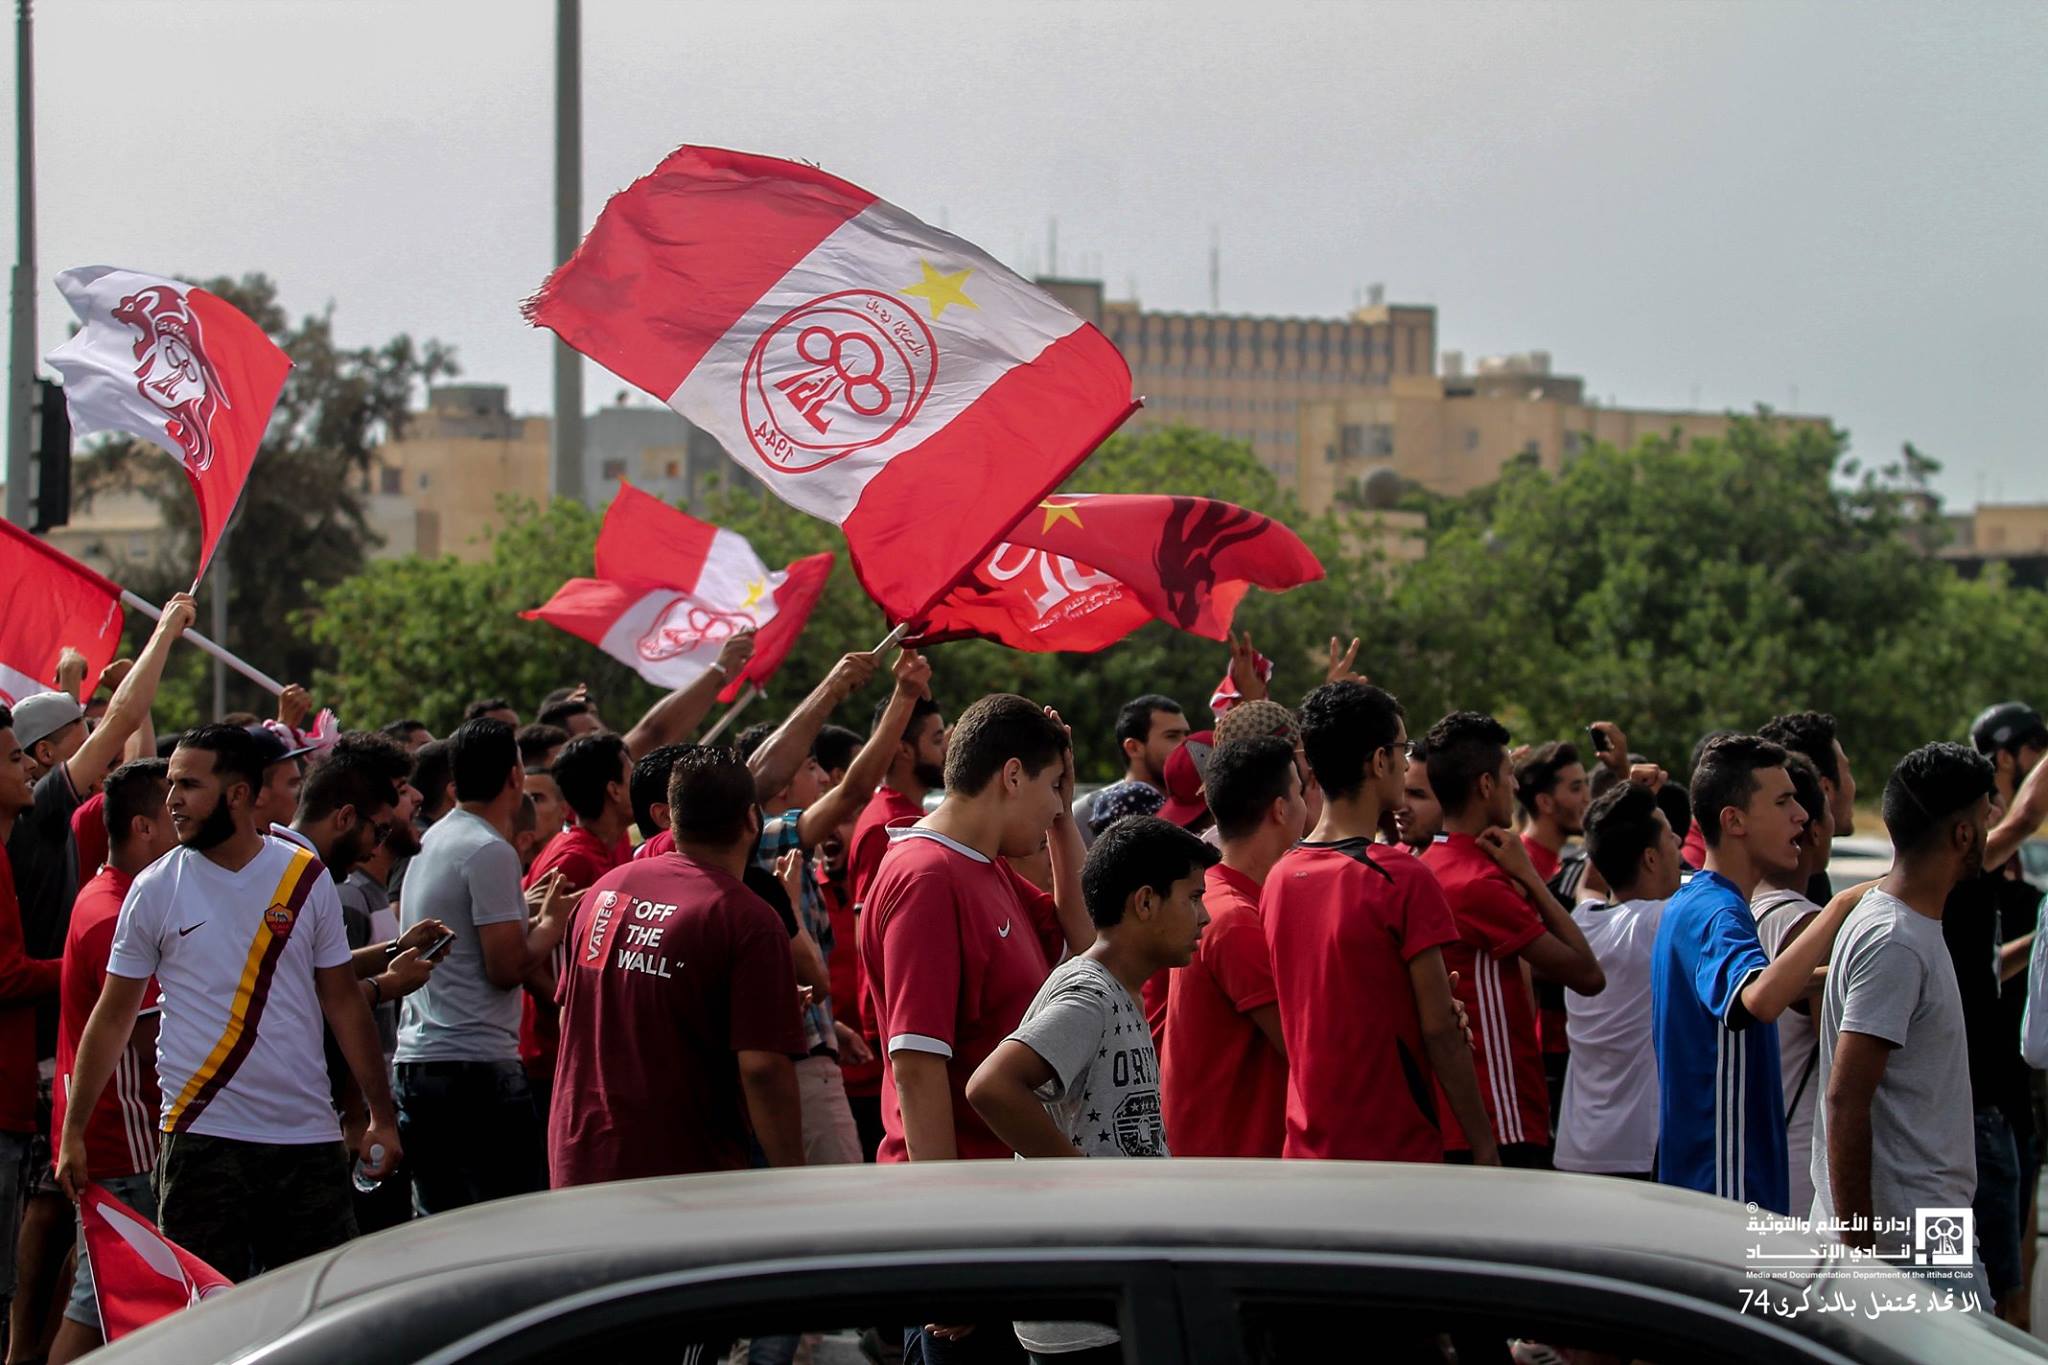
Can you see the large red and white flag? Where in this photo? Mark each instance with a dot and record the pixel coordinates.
(1079, 572)
(178, 367)
(49, 600)
(869, 368)
(671, 590)
(138, 1274)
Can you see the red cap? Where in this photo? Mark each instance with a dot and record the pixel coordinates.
(1186, 769)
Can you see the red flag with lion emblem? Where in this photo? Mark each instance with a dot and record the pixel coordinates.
(181, 368)
(1080, 572)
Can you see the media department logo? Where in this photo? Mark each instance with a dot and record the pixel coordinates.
(1944, 1237)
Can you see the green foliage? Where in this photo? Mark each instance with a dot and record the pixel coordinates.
(300, 526)
(1671, 588)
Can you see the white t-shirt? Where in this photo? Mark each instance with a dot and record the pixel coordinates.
(240, 1050)
(1608, 1121)
(1778, 913)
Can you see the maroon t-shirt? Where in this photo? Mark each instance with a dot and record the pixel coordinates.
(673, 969)
(581, 857)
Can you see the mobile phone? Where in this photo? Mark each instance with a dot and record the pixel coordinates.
(438, 946)
(1600, 740)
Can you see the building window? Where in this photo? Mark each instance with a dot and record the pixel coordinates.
(1352, 438)
(390, 480)
(672, 468)
(423, 481)
(1533, 448)
(612, 469)
(1379, 439)
(1471, 439)
(1571, 443)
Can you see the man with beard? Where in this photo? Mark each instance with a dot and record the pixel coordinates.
(1715, 997)
(243, 935)
(1894, 1131)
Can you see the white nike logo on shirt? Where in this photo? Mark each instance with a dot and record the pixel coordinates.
(1004, 932)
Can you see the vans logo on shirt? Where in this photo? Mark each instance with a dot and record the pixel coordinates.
(280, 917)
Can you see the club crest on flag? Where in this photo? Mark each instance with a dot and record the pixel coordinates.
(836, 375)
(174, 372)
(683, 625)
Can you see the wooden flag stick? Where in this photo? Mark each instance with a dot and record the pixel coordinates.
(252, 673)
(732, 713)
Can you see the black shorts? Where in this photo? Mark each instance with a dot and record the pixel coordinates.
(247, 1207)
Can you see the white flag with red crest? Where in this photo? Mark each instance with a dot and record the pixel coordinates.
(178, 367)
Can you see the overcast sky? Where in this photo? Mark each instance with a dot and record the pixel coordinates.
(1834, 208)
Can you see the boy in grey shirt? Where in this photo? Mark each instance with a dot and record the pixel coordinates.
(1894, 1134)
(1079, 1076)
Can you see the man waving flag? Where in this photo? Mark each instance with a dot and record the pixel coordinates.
(671, 590)
(867, 367)
(179, 367)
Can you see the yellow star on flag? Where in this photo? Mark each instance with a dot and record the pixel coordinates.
(941, 291)
(755, 591)
(1060, 511)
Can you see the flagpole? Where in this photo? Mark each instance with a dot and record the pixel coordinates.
(754, 689)
(253, 674)
(732, 713)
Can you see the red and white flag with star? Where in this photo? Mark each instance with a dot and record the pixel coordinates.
(670, 591)
(179, 367)
(1078, 572)
(869, 368)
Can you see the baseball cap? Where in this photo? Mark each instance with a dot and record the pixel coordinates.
(1120, 799)
(1186, 769)
(2003, 726)
(276, 748)
(1257, 720)
(38, 717)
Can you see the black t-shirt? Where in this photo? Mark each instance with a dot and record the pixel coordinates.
(1975, 925)
(45, 857)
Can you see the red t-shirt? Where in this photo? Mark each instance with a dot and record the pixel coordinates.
(1222, 1086)
(674, 968)
(885, 809)
(664, 841)
(1551, 1018)
(863, 1079)
(120, 1138)
(1542, 859)
(89, 832)
(582, 858)
(1495, 922)
(23, 981)
(956, 947)
(1153, 995)
(1343, 924)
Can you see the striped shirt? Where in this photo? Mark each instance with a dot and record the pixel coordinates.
(1721, 1107)
(239, 1051)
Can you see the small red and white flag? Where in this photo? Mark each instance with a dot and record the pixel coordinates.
(49, 600)
(867, 367)
(178, 367)
(138, 1274)
(671, 590)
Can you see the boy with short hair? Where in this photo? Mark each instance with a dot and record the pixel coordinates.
(1078, 1076)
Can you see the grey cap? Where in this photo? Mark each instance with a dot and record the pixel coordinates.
(38, 717)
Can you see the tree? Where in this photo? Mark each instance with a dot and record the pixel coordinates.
(301, 524)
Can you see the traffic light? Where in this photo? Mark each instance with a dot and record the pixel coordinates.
(53, 456)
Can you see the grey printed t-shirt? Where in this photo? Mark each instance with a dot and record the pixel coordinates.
(464, 875)
(1104, 1094)
(1891, 977)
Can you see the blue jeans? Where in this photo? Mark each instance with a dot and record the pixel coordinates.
(2001, 1218)
(470, 1132)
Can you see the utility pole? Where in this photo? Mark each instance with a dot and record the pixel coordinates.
(21, 372)
(566, 447)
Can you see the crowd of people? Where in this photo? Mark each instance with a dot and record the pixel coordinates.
(276, 988)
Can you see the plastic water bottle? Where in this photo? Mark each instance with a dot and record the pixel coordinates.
(359, 1175)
